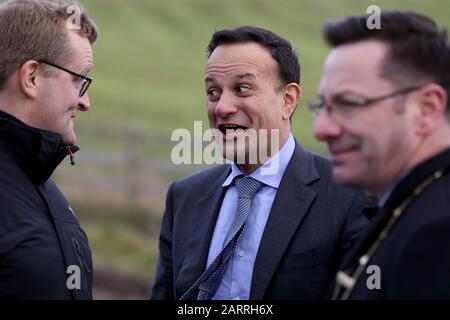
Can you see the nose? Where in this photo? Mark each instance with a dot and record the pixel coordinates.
(226, 106)
(326, 127)
(84, 104)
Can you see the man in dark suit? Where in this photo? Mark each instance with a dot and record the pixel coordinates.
(299, 223)
(386, 121)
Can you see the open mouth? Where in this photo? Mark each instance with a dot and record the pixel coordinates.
(227, 129)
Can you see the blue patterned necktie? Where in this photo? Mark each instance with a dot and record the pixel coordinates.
(209, 281)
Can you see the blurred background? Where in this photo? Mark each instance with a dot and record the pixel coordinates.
(148, 81)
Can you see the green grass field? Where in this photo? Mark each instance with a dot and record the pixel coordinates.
(148, 77)
(150, 55)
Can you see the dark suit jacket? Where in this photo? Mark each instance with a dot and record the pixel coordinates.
(311, 224)
(414, 259)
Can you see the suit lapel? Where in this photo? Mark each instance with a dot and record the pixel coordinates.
(290, 206)
(366, 238)
(205, 212)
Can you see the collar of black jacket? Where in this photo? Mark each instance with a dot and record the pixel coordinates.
(38, 151)
(417, 175)
(403, 189)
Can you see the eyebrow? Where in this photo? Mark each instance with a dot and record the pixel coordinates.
(243, 76)
(339, 94)
(210, 79)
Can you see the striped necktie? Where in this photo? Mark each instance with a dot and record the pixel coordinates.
(209, 281)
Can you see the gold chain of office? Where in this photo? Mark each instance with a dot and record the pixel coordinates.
(344, 279)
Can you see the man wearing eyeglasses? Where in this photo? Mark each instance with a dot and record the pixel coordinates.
(44, 62)
(384, 112)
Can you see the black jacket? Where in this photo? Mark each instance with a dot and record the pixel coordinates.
(39, 235)
(414, 258)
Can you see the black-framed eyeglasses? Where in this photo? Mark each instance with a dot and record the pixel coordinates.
(86, 80)
(342, 108)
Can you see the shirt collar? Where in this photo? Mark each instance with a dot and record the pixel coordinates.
(283, 156)
(387, 194)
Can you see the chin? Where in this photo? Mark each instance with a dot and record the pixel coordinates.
(351, 177)
(69, 139)
(234, 154)
(344, 176)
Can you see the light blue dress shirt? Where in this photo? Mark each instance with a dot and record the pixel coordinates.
(237, 279)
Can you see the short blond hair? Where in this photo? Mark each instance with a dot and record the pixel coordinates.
(38, 29)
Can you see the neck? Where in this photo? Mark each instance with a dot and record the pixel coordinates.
(9, 103)
(429, 147)
(249, 168)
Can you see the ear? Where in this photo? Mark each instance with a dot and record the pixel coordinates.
(28, 78)
(291, 96)
(432, 101)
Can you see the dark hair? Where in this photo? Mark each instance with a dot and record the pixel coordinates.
(417, 48)
(280, 49)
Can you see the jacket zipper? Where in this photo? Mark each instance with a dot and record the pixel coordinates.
(82, 260)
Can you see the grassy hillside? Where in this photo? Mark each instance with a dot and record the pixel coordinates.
(150, 55)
